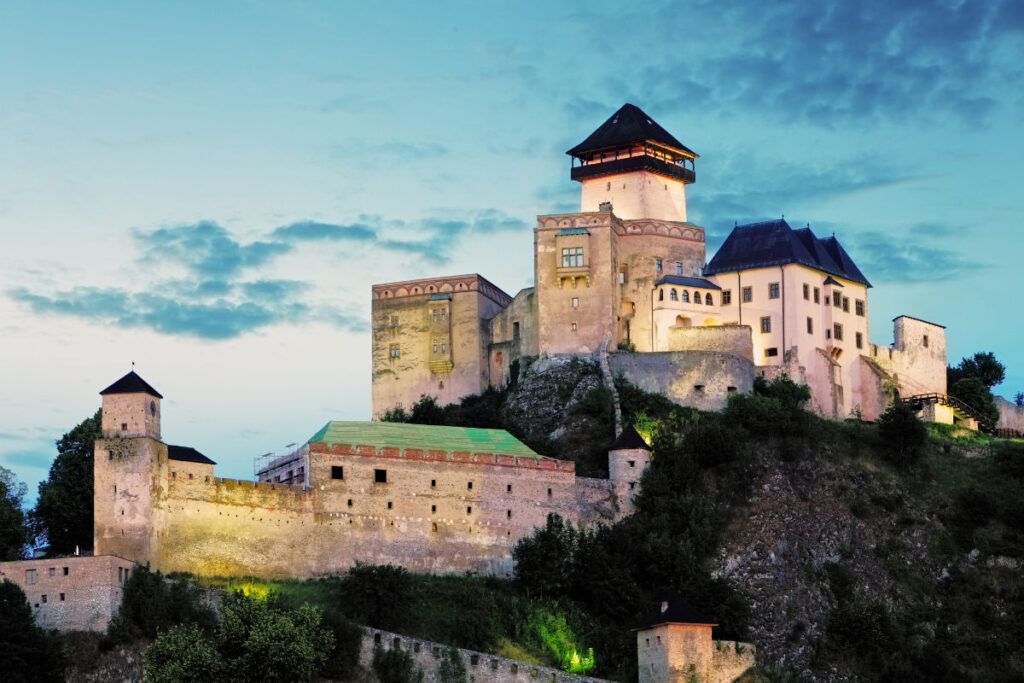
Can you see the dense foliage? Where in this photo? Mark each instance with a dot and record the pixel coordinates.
(63, 513)
(28, 653)
(14, 532)
(972, 380)
(394, 665)
(152, 603)
(903, 434)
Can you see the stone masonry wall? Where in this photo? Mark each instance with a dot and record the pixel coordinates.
(702, 379)
(71, 593)
(480, 666)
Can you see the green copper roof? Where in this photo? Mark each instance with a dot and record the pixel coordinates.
(438, 297)
(572, 231)
(402, 435)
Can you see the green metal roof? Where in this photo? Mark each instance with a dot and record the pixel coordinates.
(427, 437)
(438, 297)
(572, 231)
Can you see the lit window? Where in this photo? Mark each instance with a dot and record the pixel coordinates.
(858, 307)
(727, 297)
(572, 257)
(673, 296)
(574, 327)
(810, 326)
(807, 292)
(575, 302)
(748, 295)
(860, 339)
(766, 324)
(395, 352)
(837, 332)
(773, 290)
(657, 264)
(679, 268)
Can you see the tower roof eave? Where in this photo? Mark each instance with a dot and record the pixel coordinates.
(627, 126)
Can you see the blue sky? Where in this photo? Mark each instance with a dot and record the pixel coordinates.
(209, 189)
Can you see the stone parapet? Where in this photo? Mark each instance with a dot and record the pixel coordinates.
(463, 457)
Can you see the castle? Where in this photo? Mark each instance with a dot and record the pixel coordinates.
(629, 271)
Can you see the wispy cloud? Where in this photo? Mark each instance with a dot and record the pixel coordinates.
(312, 231)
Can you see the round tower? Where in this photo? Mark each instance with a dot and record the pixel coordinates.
(628, 457)
(635, 167)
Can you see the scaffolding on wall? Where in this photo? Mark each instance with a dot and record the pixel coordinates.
(289, 466)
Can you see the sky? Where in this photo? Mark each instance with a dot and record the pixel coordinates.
(208, 190)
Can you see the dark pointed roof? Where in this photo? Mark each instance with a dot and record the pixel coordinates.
(131, 384)
(773, 243)
(187, 454)
(684, 281)
(629, 439)
(676, 612)
(628, 125)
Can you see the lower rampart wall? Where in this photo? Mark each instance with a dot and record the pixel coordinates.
(1011, 417)
(480, 666)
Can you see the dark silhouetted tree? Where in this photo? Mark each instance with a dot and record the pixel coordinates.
(973, 392)
(63, 513)
(14, 532)
(28, 653)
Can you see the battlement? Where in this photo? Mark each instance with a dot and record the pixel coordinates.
(437, 455)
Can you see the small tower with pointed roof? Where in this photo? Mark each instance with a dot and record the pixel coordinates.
(131, 408)
(636, 166)
(628, 457)
(674, 644)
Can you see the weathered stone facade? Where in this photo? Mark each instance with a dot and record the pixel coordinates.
(682, 652)
(80, 593)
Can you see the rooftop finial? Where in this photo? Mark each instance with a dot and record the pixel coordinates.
(133, 366)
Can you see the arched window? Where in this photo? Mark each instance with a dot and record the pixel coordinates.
(707, 298)
(673, 296)
(686, 296)
(661, 295)
(696, 297)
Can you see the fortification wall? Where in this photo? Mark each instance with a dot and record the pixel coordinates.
(917, 358)
(433, 511)
(734, 339)
(702, 379)
(480, 666)
(71, 593)
(1011, 416)
(513, 335)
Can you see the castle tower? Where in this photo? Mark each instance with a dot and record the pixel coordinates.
(628, 457)
(129, 471)
(635, 165)
(674, 645)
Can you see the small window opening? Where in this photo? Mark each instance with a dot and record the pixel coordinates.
(62, 597)
(771, 352)
(65, 571)
(509, 488)
(380, 476)
(508, 513)
(350, 502)
(433, 508)
(389, 505)
(469, 485)
(549, 492)
(124, 426)
(433, 526)
(469, 509)
(925, 341)
(337, 472)
(433, 483)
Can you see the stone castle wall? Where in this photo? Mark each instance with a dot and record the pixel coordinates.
(71, 593)
(703, 379)
(429, 511)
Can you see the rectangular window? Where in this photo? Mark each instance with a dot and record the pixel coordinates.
(572, 257)
(509, 488)
(350, 502)
(726, 297)
(858, 307)
(773, 290)
(549, 492)
(444, 314)
(433, 315)
(337, 472)
(622, 277)
(515, 330)
(469, 485)
(434, 345)
(30, 576)
(860, 340)
(394, 321)
(575, 302)
(925, 340)
(62, 597)
(771, 352)
(766, 324)
(679, 268)
(828, 333)
(573, 326)
(846, 304)
(837, 299)
(508, 514)
(380, 476)
(469, 509)
(810, 326)
(120, 570)
(817, 295)
(389, 505)
(53, 571)
(748, 295)
(44, 597)
(433, 508)
(837, 332)
(807, 292)
(433, 483)
(444, 346)
(394, 351)
(657, 264)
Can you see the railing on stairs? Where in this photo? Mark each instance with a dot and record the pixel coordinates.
(919, 401)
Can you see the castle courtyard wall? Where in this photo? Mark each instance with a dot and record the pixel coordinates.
(702, 379)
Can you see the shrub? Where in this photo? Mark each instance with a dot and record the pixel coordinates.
(791, 395)
(903, 434)
(182, 654)
(28, 653)
(453, 669)
(395, 666)
(974, 392)
(152, 603)
(378, 595)
(343, 658)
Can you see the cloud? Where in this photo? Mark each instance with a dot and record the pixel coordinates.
(885, 258)
(207, 249)
(826, 63)
(312, 231)
(38, 459)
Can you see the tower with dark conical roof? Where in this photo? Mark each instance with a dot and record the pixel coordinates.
(635, 165)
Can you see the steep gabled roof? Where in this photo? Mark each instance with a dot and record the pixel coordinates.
(131, 384)
(187, 454)
(629, 439)
(628, 125)
(773, 243)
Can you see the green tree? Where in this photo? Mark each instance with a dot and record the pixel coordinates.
(395, 666)
(14, 532)
(974, 392)
(27, 652)
(982, 365)
(903, 434)
(151, 604)
(453, 669)
(63, 513)
(378, 595)
(1019, 399)
(182, 654)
